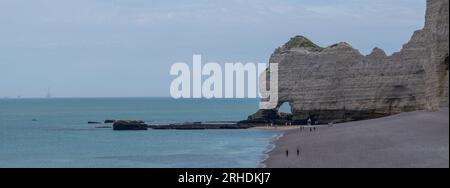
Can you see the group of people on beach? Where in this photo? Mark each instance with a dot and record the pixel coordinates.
(311, 128)
(274, 125)
(298, 153)
(302, 128)
(309, 122)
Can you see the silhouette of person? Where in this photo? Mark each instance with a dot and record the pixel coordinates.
(287, 153)
(298, 152)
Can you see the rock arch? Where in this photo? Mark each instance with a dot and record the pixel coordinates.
(338, 83)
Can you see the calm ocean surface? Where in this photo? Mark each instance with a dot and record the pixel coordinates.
(61, 136)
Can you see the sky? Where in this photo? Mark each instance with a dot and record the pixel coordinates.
(125, 48)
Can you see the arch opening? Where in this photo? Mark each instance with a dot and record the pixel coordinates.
(285, 108)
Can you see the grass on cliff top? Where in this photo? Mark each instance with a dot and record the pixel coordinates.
(301, 42)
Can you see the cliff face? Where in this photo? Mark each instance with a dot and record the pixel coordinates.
(338, 83)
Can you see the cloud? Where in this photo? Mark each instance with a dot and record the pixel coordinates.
(144, 37)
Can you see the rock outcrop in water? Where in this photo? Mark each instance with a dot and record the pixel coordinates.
(129, 125)
(338, 83)
(109, 121)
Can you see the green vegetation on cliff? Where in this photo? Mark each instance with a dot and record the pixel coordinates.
(301, 42)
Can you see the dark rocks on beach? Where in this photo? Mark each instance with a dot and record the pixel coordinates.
(264, 117)
(317, 117)
(129, 125)
(93, 122)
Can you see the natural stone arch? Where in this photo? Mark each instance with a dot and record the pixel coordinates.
(272, 115)
(339, 84)
(285, 112)
(285, 107)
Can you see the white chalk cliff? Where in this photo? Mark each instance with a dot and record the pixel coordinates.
(338, 83)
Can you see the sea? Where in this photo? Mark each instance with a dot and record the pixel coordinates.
(54, 133)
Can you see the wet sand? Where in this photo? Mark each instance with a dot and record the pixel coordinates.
(409, 140)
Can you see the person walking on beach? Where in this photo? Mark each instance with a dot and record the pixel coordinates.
(298, 152)
(287, 153)
(309, 122)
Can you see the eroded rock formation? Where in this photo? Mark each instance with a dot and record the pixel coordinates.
(129, 125)
(338, 83)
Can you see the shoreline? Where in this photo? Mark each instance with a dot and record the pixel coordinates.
(272, 145)
(413, 139)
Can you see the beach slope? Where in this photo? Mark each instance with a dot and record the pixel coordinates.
(416, 139)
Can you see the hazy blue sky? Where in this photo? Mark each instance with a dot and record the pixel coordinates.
(119, 48)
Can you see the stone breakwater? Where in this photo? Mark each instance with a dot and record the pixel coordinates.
(127, 125)
(338, 83)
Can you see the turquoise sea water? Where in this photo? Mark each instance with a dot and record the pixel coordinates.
(61, 136)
